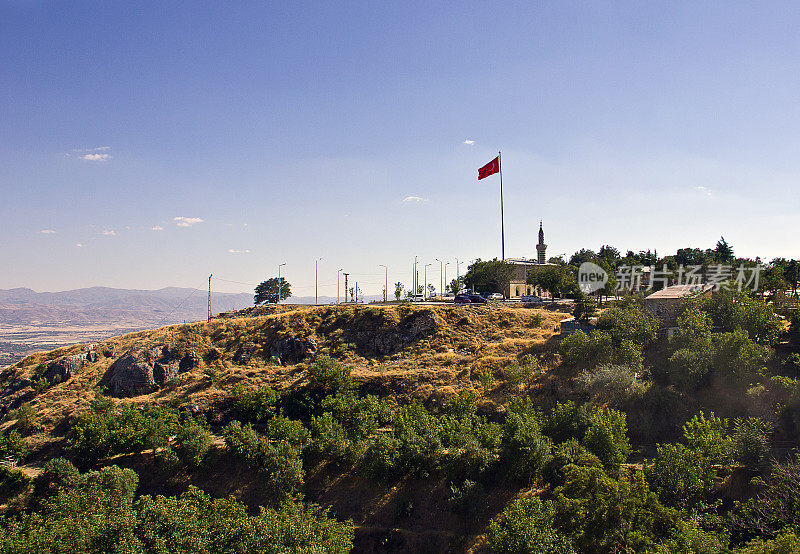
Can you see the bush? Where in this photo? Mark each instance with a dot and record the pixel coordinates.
(629, 322)
(791, 364)
(192, 441)
(328, 376)
(751, 440)
(526, 525)
(601, 514)
(12, 483)
(359, 416)
(788, 542)
(612, 384)
(709, 438)
(254, 406)
(567, 420)
(12, 444)
(521, 372)
(328, 437)
(580, 349)
(26, 417)
(607, 439)
(525, 450)
(280, 465)
(57, 474)
(568, 453)
(678, 474)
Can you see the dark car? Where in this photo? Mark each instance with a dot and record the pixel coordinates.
(476, 299)
(462, 299)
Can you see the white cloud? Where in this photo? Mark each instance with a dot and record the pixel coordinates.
(414, 199)
(157, 228)
(231, 251)
(469, 142)
(95, 157)
(79, 244)
(110, 232)
(186, 221)
(705, 190)
(47, 232)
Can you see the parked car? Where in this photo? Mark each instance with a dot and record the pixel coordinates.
(530, 298)
(462, 299)
(495, 296)
(476, 299)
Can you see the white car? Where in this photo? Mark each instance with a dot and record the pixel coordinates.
(494, 296)
(530, 298)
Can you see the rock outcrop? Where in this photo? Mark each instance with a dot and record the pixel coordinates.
(374, 333)
(144, 371)
(58, 371)
(244, 353)
(290, 350)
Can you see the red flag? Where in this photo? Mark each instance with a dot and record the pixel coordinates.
(489, 169)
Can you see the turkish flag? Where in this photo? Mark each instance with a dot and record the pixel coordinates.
(489, 169)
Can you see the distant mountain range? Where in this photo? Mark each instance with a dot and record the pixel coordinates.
(121, 307)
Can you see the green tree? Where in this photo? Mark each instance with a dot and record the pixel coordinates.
(489, 276)
(269, 291)
(557, 280)
(526, 525)
(398, 290)
(607, 438)
(723, 252)
(456, 285)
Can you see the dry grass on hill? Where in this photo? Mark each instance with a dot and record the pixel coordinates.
(460, 349)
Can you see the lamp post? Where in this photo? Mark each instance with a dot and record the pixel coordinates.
(458, 274)
(441, 280)
(316, 287)
(425, 292)
(337, 285)
(280, 284)
(445, 274)
(386, 283)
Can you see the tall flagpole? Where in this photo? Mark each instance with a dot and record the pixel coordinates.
(502, 222)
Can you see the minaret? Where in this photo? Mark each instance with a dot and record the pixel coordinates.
(541, 248)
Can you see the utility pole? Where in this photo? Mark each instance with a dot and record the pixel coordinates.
(337, 285)
(445, 274)
(441, 279)
(458, 275)
(316, 288)
(280, 283)
(356, 292)
(415, 279)
(386, 284)
(345, 286)
(209, 296)
(425, 291)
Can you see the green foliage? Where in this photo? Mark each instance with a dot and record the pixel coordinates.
(708, 437)
(328, 376)
(96, 512)
(489, 276)
(607, 438)
(794, 329)
(613, 385)
(788, 542)
(679, 475)
(751, 440)
(629, 322)
(526, 525)
(271, 289)
(100, 432)
(192, 441)
(557, 280)
(329, 437)
(525, 449)
(791, 364)
(254, 405)
(359, 416)
(584, 307)
(777, 507)
(25, 416)
(57, 474)
(12, 482)
(279, 465)
(468, 500)
(12, 444)
(603, 515)
(522, 371)
(568, 453)
(580, 349)
(566, 421)
(732, 310)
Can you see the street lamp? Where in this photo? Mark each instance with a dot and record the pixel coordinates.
(458, 275)
(425, 292)
(441, 280)
(337, 285)
(316, 288)
(445, 274)
(280, 284)
(386, 284)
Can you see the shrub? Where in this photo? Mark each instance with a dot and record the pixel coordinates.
(678, 474)
(568, 453)
(629, 322)
(791, 364)
(607, 438)
(25, 416)
(255, 405)
(788, 542)
(12, 444)
(192, 441)
(12, 482)
(751, 440)
(523, 371)
(328, 376)
(708, 437)
(468, 500)
(526, 525)
(612, 384)
(525, 449)
(567, 420)
(359, 416)
(601, 514)
(57, 474)
(328, 437)
(580, 349)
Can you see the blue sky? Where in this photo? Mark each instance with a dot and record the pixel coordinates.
(283, 132)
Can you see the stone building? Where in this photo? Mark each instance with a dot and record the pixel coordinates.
(518, 286)
(664, 303)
